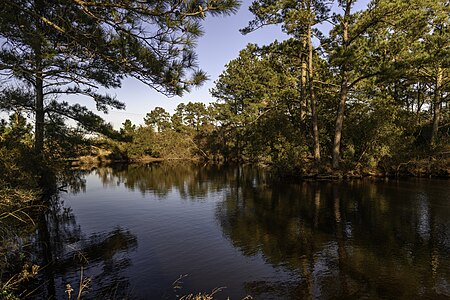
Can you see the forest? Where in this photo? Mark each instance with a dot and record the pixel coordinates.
(348, 93)
(368, 97)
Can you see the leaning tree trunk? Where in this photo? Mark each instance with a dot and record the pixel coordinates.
(437, 106)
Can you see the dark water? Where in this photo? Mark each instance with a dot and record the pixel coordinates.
(135, 230)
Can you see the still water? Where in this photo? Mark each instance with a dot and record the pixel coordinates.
(135, 230)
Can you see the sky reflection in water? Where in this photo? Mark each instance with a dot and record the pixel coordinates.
(141, 227)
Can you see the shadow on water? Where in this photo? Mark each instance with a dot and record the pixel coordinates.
(364, 238)
(354, 239)
(340, 240)
(70, 257)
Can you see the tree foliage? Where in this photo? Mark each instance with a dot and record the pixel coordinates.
(371, 94)
(383, 70)
(76, 46)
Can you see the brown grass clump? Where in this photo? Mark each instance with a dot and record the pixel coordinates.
(202, 296)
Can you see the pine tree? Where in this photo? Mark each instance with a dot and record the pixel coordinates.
(298, 18)
(75, 46)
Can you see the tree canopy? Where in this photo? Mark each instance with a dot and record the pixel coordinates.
(75, 47)
(370, 94)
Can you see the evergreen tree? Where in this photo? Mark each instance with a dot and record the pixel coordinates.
(75, 46)
(158, 119)
(299, 19)
(353, 55)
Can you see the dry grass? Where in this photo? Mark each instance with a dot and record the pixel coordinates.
(16, 204)
(177, 285)
(12, 285)
(202, 296)
(18, 211)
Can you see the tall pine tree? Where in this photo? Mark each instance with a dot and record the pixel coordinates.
(298, 18)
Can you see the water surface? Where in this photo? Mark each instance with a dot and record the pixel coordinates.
(136, 229)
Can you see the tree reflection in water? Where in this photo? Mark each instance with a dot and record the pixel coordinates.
(358, 238)
(66, 251)
(191, 181)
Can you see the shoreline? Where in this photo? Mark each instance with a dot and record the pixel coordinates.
(410, 169)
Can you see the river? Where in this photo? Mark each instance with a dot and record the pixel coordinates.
(165, 229)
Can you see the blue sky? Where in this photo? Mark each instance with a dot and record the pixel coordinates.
(221, 43)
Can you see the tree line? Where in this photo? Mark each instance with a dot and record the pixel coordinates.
(371, 92)
(369, 95)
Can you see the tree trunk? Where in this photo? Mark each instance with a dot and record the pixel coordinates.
(304, 67)
(343, 92)
(339, 123)
(437, 106)
(39, 107)
(419, 104)
(39, 88)
(315, 126)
